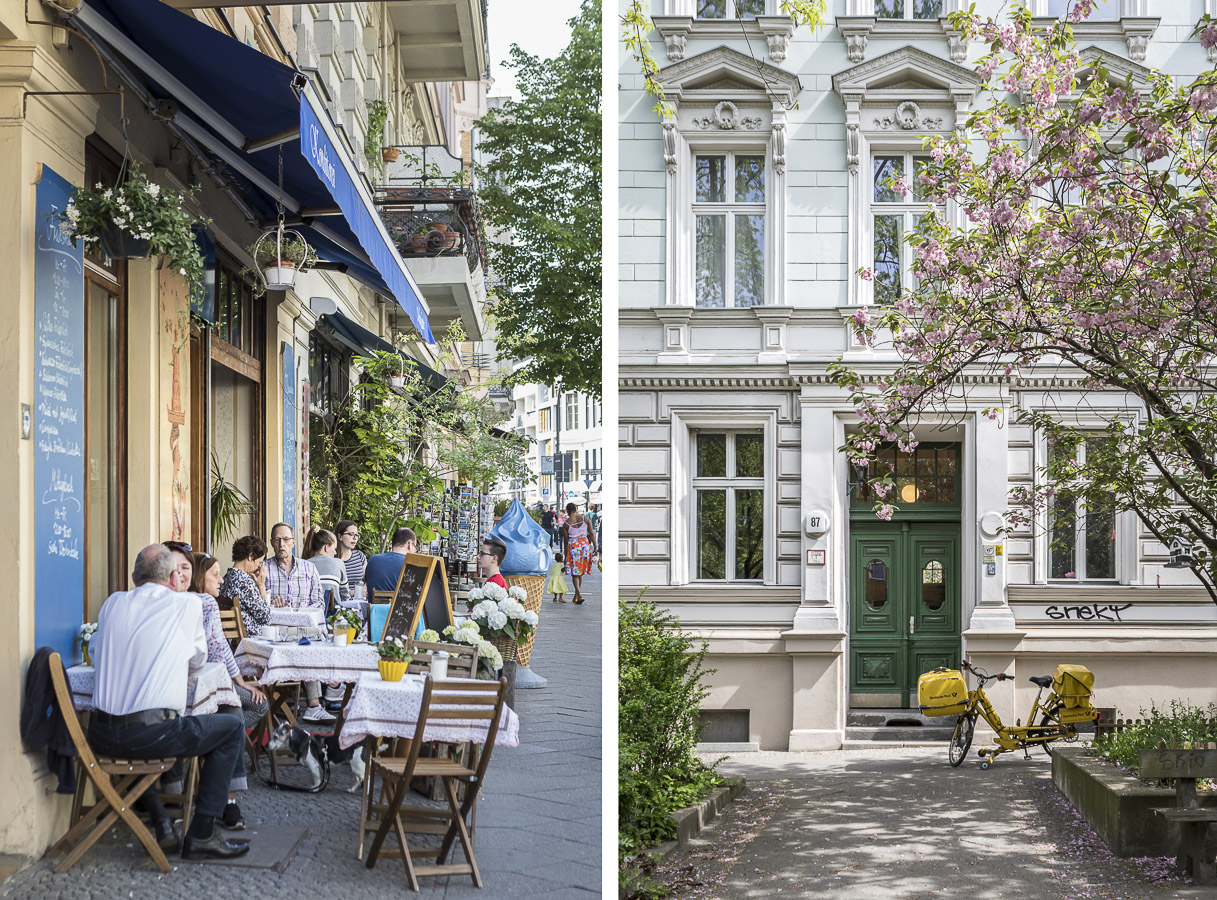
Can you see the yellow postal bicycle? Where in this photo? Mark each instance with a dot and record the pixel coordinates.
(944, 692)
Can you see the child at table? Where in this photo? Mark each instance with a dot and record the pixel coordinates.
(490, 558)
(557, 584)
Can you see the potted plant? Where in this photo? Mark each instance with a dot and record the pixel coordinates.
(397, 376)
(444, 239)
(394, 657)
(378, 117)
(490, 660)
(280, 255)
(343, 623)
(501, 617)
(389, 154)
(136, 219)
(87, 630)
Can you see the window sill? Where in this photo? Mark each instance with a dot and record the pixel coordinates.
(678, 30)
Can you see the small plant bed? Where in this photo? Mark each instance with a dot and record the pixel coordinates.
(659, 694)
(1179, 725)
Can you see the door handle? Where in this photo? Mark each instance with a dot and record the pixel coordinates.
(912, 626)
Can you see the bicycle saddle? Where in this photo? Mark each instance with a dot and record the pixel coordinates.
(1042, 680)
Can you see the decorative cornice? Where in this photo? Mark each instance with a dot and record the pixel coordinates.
(954, 78)
(704, 382)
(681, 80)
(677, 31)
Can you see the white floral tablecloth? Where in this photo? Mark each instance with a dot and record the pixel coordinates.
(316, 661)
(311, 617)
(389, 709)
(207, 691)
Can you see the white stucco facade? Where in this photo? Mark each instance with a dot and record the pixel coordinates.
(760, 192)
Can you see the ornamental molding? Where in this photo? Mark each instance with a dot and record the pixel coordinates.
(726, 117)
(696, 382)
(909, 118)
(694, 78)
(909, 62)
(1120, 68)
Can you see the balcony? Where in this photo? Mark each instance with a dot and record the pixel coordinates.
(431, 213)
(440, 40)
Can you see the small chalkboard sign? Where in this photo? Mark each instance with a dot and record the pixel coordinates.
(418, 590)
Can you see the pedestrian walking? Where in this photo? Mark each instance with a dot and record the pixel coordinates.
(547, 523)
(578, 546)
(557, 584)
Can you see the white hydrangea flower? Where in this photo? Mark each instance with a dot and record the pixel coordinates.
(512, 608)
(449, 631)
(518, 592)
(429, 635)
(484, 609)
(497, 620)
(531, 618)
(496, 592)
(476, 594)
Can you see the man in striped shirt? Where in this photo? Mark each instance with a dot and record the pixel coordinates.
(291, 579)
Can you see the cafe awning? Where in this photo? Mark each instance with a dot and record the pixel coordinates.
(250, 111)
(358, 339)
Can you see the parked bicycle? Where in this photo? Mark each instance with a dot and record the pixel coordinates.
(1053, 718)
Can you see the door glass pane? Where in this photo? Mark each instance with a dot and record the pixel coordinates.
(711, 534)
(749, 534)
(933, 587)
(927, 9)
(886, 167)
(711, 260)
(750, 179)
(749, 455)
(888, 231)
(749, 261)
(711, 455)
(889, 9)
(1062, 537)
(876, 584)
(711, 179)
(1101, 539)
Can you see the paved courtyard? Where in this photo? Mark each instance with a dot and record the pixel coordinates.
(539, 827)
(902, 823)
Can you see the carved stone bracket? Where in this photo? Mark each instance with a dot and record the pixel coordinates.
(669, 146)
(852, 147)
(958, 45)
(779, 144)
(777, 46)
(675, 44)
(856, 31)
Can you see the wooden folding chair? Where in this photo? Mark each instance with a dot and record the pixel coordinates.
(444, 701)
(231, 620)
(114, 799)
(462, 658)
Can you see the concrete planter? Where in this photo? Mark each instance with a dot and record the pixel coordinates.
(1117, 805)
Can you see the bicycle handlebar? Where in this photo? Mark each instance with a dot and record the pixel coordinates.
(982, 675)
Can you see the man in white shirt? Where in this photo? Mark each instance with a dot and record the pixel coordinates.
(148, 642)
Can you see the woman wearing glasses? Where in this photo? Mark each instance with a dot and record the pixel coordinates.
(354, 560)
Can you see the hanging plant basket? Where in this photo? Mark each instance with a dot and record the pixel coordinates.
(116, 243)
(389, 154)
(279, 256)
(397, 379)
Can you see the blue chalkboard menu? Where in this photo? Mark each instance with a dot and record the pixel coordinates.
(59, 420)
(289, 435)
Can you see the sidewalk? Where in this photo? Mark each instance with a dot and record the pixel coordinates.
(538, 830)
(901, 823)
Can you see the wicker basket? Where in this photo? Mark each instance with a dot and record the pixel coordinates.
(535, 585)
(507, 646)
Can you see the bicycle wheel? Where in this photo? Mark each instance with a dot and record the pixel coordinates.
(1047, 721)
(961, 740)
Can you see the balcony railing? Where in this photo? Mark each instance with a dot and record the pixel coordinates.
(429, 207)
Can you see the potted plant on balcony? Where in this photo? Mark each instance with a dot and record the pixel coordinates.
(279, 255)
(389, 154)
(136, 219)
(378, 117)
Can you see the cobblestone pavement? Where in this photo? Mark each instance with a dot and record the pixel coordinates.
(902, 823)
(539, 828)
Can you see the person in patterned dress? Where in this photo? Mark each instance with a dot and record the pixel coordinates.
(578, 546)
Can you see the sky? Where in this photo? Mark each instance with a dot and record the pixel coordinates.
(539, 29)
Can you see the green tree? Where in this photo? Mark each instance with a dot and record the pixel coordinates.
(382, 458)
(541, 193)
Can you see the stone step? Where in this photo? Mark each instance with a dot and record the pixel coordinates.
(918, 734)
(881, 718)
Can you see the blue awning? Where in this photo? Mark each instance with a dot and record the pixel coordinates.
(349, 332)
(242, 106)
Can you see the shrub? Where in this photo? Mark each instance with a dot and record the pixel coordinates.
(1181, 724)
(660, 691)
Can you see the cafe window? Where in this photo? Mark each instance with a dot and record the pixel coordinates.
(929, 474)
(328, 375)
(729, 503)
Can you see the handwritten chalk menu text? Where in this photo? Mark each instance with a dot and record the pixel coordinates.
(59, 463)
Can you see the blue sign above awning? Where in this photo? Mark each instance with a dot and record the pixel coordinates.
(246, 109)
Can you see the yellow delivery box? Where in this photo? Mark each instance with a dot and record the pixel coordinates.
(942, 692)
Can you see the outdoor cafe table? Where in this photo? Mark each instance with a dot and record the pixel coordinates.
(318, 660)
(309, 617)
(208, 690)
(389, 709)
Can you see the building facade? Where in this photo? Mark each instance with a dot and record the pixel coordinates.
(743, 218)
(135, 396)
(558, 423)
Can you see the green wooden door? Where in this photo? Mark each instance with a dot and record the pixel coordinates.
(904, 608)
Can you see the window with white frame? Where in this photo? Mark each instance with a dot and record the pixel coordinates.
(730, 9)
(729, 504)
(572, 411)
(1104, 10)
(1081, 532)
(729, 229)
(908, 9)
(892, 215)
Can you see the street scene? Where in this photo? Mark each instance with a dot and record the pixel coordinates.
(915, 447)
(306, 515)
